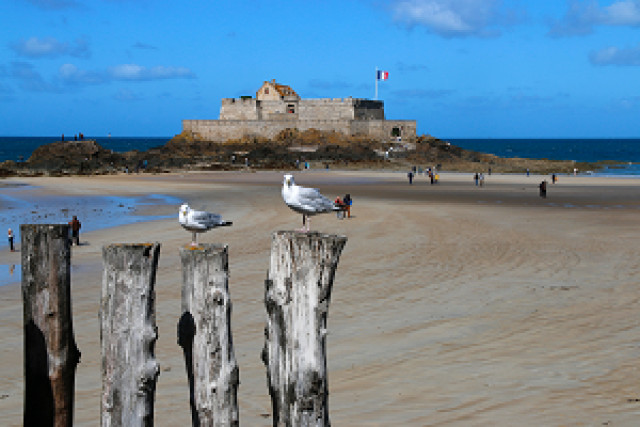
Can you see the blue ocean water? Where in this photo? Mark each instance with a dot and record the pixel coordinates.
(20, 147)
(625, 153)
(580, 150)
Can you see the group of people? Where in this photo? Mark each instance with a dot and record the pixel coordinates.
(75, 137)
(74, 226)
(344, 205)
(431, 173)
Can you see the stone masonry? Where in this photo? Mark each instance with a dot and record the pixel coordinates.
(277, 107)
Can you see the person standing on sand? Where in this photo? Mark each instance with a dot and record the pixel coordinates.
(75, 230)
(410, 176)
(10, 237)
(347, 204)
(543, 189)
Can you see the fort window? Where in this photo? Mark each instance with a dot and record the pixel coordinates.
(266, 91)
(396, 131)
(291, 108)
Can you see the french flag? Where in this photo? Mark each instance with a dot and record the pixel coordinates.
(383, 75)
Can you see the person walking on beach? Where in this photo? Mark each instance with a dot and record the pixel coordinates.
(347, 204)
(410, 176)
(543, 189)
(10, 237)
(75, 230)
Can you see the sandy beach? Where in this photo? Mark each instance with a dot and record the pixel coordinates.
(452, 304)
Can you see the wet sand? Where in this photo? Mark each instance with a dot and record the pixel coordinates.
(452, 304)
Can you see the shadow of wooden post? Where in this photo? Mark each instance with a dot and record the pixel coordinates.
(297, 295)
(50, 351)
(128, 334)
(204, 333)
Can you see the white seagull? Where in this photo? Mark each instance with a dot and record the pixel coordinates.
(307, 201)
(199, 221)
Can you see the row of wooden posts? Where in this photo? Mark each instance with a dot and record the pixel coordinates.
(297, 295)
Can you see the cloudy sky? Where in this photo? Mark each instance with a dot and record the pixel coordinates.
(461, 68)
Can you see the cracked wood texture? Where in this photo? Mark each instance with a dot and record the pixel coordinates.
(50, 351)
(204, 333)
(297, 295)
(128, 334)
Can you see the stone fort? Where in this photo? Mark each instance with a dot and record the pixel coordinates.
(277, 107)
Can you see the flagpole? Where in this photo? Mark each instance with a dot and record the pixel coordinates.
(376, 97)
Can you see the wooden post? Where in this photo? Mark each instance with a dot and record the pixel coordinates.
(128, 334)
(50, 352)
(204, 333)
(297, 295)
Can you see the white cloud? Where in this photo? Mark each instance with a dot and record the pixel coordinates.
(616, 56)
(450, 18)
(70, 74)
(582, 17)
(139, 72)
(49, 47)
(626, 12)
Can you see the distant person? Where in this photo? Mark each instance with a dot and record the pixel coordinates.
(543, 189)
(554, 178)
(527, 171)
(338, 203)
(410, 176)
(476, 178)
(10, 237)
(75, 230)
(481, 179)
(347, 204)
(62, 139)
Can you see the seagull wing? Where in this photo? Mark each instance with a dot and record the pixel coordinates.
(311, 201)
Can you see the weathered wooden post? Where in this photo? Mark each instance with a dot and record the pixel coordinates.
(128, 334)
(50, 352)
(297, 295)
(204, 333)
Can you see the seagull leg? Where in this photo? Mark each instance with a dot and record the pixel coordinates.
(304, 221)
(193, 239)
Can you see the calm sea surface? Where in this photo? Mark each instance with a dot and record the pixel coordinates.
(625, 152)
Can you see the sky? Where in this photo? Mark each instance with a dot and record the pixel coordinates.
(460, 68)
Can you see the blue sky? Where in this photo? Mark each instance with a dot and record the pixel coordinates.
(461, 68)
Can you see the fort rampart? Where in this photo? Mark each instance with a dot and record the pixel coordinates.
(223, 130)
(277, 107)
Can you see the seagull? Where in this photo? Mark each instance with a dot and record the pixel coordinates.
(307, 201)
(199, 221)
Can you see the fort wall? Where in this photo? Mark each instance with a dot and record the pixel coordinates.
(223, 130)
(268, 115)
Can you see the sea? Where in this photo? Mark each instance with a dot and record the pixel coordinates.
(623, 155)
